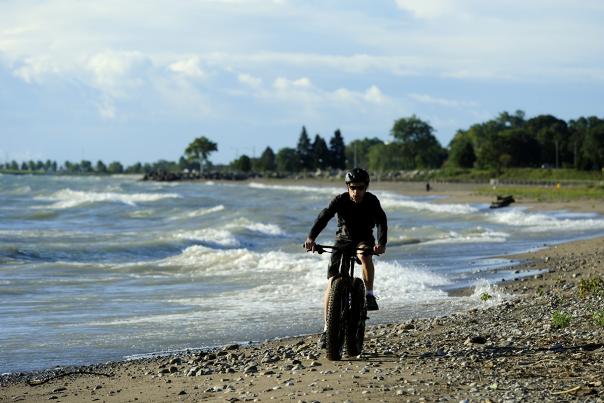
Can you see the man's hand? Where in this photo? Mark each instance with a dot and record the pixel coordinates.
(379, 249)
(309, 244)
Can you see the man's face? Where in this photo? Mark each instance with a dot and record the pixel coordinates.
(356, 191)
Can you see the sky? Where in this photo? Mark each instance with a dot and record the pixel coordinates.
(132, 81)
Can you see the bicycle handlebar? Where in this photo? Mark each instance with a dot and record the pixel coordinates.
(321, 248)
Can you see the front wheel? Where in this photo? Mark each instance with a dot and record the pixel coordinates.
(355, 331)
(336, 319)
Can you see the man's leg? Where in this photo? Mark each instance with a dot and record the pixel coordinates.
(368, 273)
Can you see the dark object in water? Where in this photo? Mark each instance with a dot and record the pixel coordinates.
(503, 201)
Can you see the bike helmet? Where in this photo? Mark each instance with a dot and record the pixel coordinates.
(357, 175)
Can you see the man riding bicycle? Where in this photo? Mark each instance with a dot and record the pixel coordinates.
(358, 213)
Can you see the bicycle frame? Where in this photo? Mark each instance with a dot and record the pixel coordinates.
(346, 310)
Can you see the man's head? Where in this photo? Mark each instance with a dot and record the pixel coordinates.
(357, 181)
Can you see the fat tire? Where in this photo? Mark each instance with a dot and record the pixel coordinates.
(336, 320)
(355, 331)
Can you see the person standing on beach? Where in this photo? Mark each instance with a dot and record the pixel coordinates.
(359, 211)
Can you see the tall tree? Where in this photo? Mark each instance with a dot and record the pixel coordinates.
(384, 157)
(553, 136)
(420, 148)
(337, 151)
(243, 164)
(593, 145)
(199, 150)
(287, 160)
(101, 167)
(304, 150)
(266, 162)
(357, 152)
(461, 151)
(320, 153)
(116, 167)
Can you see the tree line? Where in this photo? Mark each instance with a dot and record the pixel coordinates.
(509, 140)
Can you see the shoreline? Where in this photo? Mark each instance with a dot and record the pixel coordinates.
(509, 351)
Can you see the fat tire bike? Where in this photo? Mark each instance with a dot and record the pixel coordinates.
(346, 306)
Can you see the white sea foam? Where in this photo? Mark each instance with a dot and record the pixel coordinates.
(266, 229)
(487, 294)
(275, 283)
(205, 211)
(299, 188)
(68, 198)
(476, 236)
(222, 237)
(542, 222)
(392, 201)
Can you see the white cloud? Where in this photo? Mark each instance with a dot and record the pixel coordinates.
(188, 67)
(106, 109)
(282, 83)
(34, 69)
(426, 8)
(374, 95)
(449, 103)
(114, 71)
(249, 80)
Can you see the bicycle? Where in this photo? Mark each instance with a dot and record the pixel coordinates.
(346, 308)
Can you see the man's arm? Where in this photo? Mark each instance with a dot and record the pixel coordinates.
(382, 229)
(320, 223)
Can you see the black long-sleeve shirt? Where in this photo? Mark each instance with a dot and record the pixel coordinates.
(355, 220)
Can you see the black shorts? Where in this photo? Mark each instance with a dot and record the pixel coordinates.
(336, 256)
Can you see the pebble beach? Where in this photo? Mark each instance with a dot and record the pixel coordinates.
(543, 339)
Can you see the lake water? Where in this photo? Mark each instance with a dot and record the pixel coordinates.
(104, 268)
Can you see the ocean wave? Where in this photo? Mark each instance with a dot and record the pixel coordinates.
(22, 190)
(205, 211)
(477, 236)
(68, 198)
(299, 188)
(262, 228)
(543, 222)
(210, 236)
(390, 201)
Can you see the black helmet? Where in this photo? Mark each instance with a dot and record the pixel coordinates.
(357, 175)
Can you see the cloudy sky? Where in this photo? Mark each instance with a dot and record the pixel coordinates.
(138, 80)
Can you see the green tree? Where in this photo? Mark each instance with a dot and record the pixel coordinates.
(461, 151)
(593, 146)
(135, 168)
(116, 167)
(357, 152)
(337, 151)
(243, 164)
(553, 136)
(304, 150)
(199, 150)
(101, 167)
(266, 162)
(320, 153)
(509, 121)
(521, 147)
(384, 157)
(14, 165)
(287, 160)
(420, 148)
(85, 166)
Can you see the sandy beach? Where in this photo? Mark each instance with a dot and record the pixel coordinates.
(517, 350)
